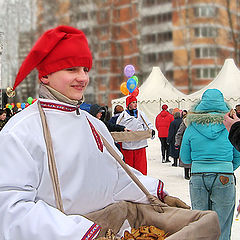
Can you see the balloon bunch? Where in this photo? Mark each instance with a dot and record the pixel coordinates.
(21, 106)
(130, 87)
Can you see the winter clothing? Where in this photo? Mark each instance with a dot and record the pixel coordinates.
(135, 120)
(205, 144)
(178, 142)
(173, 128)
(234, 135)
(95, 108)
(162, 123)
(164, 107)
(56, 50)
(2, 123)
(130, 99)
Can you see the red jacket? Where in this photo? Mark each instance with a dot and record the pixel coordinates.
(162, 122)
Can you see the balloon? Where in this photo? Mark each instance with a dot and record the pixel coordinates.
(29, 100)
(124, 89)
(26, 105)
(34, 100)
(10, 107)
(131, 84)
(13, 105)
(135, 92)
(18, 105)
(7, 105)
(129, 71)
(136, 78)
(22, 105)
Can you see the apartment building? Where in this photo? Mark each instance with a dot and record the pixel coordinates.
(188, 39)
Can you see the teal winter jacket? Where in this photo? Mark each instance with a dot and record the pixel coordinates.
(205, 142)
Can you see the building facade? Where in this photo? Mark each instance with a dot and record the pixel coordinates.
(188, 39)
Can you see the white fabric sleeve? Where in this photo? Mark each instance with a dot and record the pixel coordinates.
(128, 190)
(21, 216)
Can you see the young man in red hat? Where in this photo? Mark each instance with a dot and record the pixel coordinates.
(54, 167)
(135, 120)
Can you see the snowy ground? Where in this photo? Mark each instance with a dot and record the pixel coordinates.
(176, 185)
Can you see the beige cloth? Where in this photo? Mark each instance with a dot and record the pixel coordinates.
(131, 136)
(180, 224)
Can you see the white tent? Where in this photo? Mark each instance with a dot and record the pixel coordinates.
(227, 81)
(153, 93)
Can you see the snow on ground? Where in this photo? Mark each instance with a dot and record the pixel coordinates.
(175, 184)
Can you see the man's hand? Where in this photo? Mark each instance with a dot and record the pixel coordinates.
(175, 202)
(229, 121)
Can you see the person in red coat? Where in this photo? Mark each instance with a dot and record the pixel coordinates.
(162, 123)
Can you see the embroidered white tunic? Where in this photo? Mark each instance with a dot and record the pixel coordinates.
(132, 123)
(90, 179)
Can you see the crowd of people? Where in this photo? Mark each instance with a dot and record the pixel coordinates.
(63, 174)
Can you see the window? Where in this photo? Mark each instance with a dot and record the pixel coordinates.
(205, 11)
(209, 52)
(157, 19)
(104, 46)
(207, 73)
(206, 32)
(104, 63)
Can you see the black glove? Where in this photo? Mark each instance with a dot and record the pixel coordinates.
(153, 133)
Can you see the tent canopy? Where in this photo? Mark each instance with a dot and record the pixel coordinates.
(227, 81)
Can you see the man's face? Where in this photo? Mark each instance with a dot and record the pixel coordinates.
(71, 82)
(238, 109)
(132, 105)
(3, 116)
(99, 115)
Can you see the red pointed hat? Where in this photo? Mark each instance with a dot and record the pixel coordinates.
(58, 48)
(130, 99)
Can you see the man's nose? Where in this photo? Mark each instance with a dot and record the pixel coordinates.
(81, 74)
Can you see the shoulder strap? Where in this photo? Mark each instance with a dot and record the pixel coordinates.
(155, 202)
(51, 160)
(144, 120)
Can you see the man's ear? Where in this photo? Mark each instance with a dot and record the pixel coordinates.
(44, 79)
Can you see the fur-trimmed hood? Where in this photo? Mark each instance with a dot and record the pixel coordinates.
(208, 114)
(207, 124)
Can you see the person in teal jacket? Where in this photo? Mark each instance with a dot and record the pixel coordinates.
(205, 145)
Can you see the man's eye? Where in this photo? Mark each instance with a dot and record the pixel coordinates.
(85, 69)
(71, 69)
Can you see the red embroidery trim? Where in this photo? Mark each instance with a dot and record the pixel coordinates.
(57, 106)
(92, 231)
(96, 136)
(161, 194)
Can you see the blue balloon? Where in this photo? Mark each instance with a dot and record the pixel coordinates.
(131, 84)
(22, 105)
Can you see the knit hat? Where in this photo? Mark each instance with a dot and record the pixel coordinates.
(212, 100)
(164, 107)
(130, 99)
(58, 48)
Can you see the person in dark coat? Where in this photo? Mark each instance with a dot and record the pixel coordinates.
(99, 112)
(232, 124)
(117, 110)
(237, 109)
(178, 141)
(162, 123)
(3, 120)
(174, 153)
